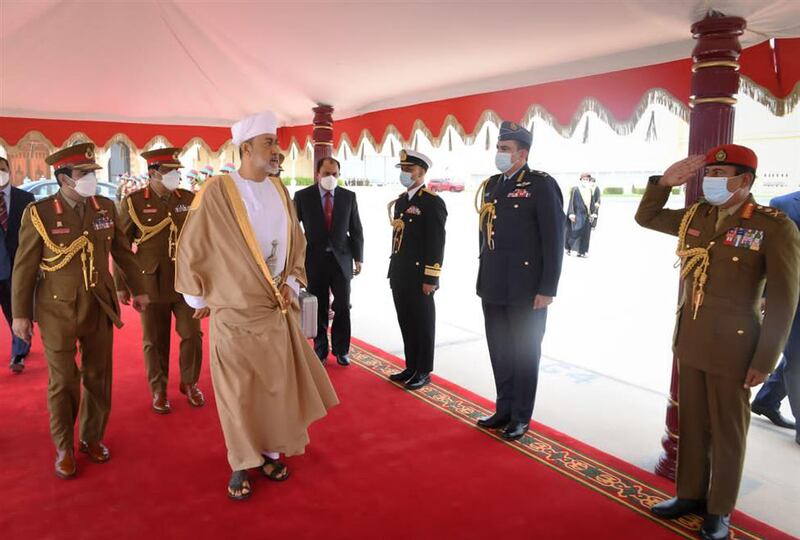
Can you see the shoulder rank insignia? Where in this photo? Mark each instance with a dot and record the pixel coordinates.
(429, 192)
(769, 211)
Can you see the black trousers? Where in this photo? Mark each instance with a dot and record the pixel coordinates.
(514, 335)
(416, 314)
(328, 276)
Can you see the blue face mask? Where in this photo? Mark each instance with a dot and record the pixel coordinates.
(503, 161)
(406, 180)
(715, 190)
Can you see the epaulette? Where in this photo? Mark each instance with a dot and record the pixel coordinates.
(45, 199)
(429, 192)
(103, 198)
(770, 211)
(539, 173)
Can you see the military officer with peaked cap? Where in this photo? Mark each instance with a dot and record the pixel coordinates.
(62, 280)
(521, 225)
(418, 218)
(730, 247)
(152, 218)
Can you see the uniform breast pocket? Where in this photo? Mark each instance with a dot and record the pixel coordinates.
(747, 265)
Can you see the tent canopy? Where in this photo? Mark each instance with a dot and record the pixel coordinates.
(209, 63)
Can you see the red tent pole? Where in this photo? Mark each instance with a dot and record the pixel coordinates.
(715, 82)
(323, 132)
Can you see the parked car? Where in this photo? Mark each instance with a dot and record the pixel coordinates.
(45, 188)
(445, 184)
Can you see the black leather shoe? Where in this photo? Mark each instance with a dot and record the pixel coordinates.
(675, 508)
(401, 376)
(322, 358)
(514, 431)
(418, 381)
(494, 421)
(343, 359)
(17, 364)
(774, 416)
(716, 527)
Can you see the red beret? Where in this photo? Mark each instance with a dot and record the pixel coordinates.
(732, 154)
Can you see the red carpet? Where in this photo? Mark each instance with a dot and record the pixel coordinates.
(384, 464)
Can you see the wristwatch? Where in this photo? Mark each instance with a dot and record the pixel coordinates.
(654, 179)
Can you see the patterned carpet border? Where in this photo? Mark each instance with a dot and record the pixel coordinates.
(616, 485)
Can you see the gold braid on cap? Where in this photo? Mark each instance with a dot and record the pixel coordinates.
(148, 231)
(80, 245)
(696, 259)
(486, 214)
(398, 226)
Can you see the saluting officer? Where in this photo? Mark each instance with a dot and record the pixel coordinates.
(152, 219)
(417, 217)
(521, 225)
(729, 247)
(62, 268)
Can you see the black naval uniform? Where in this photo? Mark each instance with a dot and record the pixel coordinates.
(417, 253)
(521, 249)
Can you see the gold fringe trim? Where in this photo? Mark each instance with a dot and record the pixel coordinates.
(777, 106)
(654, 96)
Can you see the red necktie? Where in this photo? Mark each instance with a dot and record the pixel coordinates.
(3, 212)
(328, 211)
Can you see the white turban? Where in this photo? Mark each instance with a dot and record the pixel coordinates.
(252, 126)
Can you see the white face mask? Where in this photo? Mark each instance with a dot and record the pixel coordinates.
(406, 179)
(328, 183)
(86, 185)
(715, 190)
(171, 180)
(4, 178)
(502, 161)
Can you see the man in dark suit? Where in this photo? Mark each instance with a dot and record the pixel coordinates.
(334, 253)
(785, 380)
(522, 226)
(12, 202)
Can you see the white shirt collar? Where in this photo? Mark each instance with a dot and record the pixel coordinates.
(413, 192)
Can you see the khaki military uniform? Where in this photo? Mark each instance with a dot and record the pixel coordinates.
(61, 279)
(720, 333)
(152, 224)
